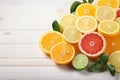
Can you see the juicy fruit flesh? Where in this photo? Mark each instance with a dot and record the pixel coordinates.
(62, 53)
(92, 43)
(50, 39)
(86, 9)
(114, 59)
(105, 13)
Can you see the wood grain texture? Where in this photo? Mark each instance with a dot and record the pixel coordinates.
(22, 22)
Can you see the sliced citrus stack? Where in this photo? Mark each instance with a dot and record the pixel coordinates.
(92, 44)
(49, 39)
(86, 24)
(114, 59)
(108, 28)
(85, 9)
(111, 3)
(80, 61)
(62, 53)
(112, 44)
(105, 13)
(68, 20)
(72, 35)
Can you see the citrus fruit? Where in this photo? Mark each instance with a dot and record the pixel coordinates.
(111, 3)
(108, 28)
(72, 35)
(112, 44)
(80, 61)
(114, 59)
(92, 44)
(105, 13)
(118, 20)
(49, 39)
(85, 9)
(118, 13)
(86, 24)
(68, 20)
(62, 53)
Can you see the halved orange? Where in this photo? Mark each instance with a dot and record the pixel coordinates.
(49, 39)
(111, 3)
(62, 53)
(86, 9)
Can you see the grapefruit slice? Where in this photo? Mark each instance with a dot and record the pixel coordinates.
(92, 44)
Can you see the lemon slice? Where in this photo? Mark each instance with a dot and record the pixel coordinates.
(114, 59)
(68, 20)
(108, 28)
(86, 24)
(105, 13)
(72, 35)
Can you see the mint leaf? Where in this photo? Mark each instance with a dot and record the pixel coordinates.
(74, 6)
(90, 1)
(95, 67)
(84, 1)
(56, 26)
(104, 59)
(111, 69)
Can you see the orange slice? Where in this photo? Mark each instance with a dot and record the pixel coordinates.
(111, 3)
(62, 53)
(49, 39)
(85, 9)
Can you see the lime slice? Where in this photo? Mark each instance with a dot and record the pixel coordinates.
(72, 35)
(80, 61)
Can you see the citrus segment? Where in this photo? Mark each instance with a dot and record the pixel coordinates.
(92, 44)
(68, 20)
(114, 59)
(112, 44)
(85, 9)
(105, 13)
(108, 28)
(111, 3)
(86, 24)
(80, 61)
(62, 53)
(72, 35)
(49, 39)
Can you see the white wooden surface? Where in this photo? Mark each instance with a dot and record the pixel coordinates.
(21, 24)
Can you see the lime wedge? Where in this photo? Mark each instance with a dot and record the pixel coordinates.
(80, 62)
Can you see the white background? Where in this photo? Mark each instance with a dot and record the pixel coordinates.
(21, 24)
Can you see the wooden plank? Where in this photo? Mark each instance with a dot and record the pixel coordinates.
(19, 51)
(51, 73)
(21, 36)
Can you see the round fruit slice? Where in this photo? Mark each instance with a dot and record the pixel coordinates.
(111, 3)
(108, 28)
(86, 9)
(80, 61)
(118, 13)
(72, 35)
(114, 59)
(105, 13)
(68, 20)
(62, 53)
(112, 44)
(86, 24)
(49, 39)
(92, 44)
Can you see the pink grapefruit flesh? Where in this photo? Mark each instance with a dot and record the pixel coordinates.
(92, 44)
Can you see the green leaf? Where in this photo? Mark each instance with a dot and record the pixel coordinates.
(111, 69)
(104, 59)
(74, 6)
(84, 1)
(95, 67)
(56, 26)
(90, 1)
